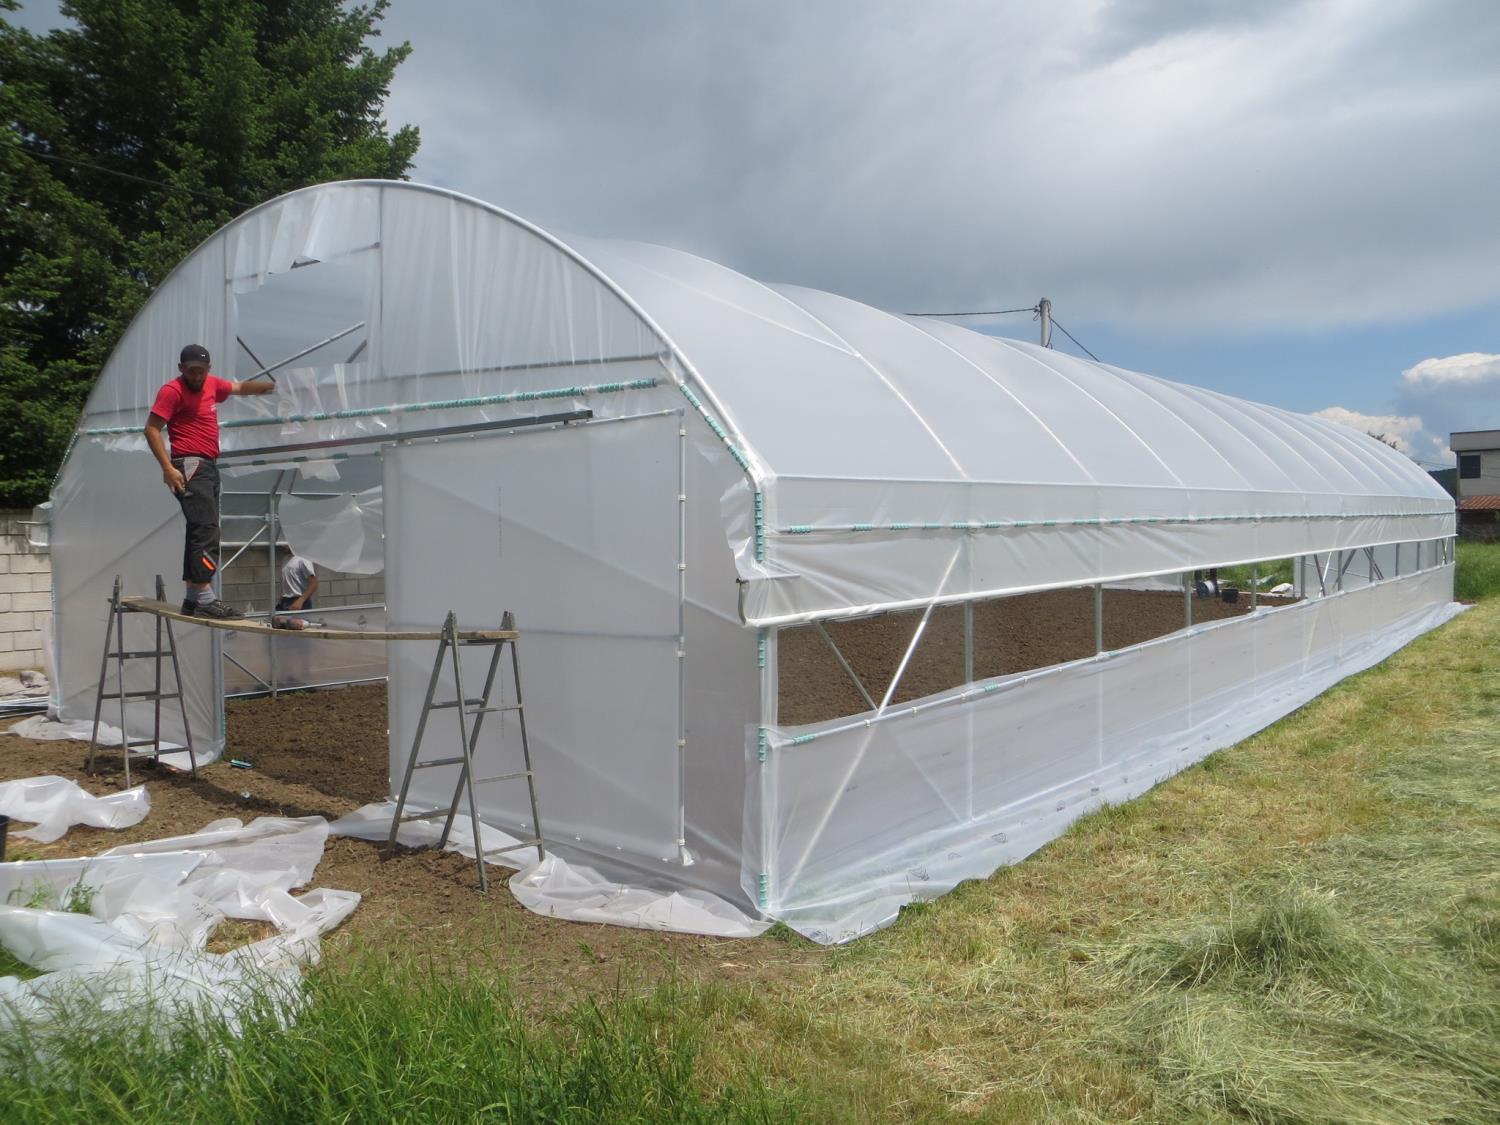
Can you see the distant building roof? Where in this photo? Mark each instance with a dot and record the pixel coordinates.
(1463, 441)
(1479, 504)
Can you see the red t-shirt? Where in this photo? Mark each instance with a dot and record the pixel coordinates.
(192, 417)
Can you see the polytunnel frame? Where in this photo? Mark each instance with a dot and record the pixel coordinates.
(680, 371)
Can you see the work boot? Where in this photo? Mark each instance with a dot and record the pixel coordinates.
(223, 611)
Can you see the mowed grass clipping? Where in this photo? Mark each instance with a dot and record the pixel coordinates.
(1302, 928)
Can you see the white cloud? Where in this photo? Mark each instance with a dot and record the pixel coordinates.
(1405, 430)
(1468, 370)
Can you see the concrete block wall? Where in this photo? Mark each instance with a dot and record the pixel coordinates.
(247, 582)
(25, 594)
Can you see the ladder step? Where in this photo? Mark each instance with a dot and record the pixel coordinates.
(433, 815)
(501, 777)
(148, 693)
(144, 652)
(531, 843)
(437, 762)
(487, 710)
(454, 703)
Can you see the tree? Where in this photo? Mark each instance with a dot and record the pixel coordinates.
(128, 139)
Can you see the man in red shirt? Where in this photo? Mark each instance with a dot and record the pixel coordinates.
(188, 407)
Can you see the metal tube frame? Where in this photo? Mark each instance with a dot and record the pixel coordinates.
(684, 856)
(1098, 618)
(845, 665)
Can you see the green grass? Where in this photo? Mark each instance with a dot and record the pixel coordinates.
(1478, 572)
(387, 1042)
(1302, 928)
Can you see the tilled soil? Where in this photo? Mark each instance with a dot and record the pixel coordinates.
(1011, 635)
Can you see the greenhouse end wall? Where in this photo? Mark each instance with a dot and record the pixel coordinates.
(862, 815)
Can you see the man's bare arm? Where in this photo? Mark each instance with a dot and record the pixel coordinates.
(258, 387)
(175, 480)
(312, 588)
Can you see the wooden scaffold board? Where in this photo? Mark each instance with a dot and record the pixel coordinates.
(240, 625)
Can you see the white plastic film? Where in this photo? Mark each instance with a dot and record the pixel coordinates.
(868, 815)
(575, 531)
(54, 804)
(342, 533)
(114, 516)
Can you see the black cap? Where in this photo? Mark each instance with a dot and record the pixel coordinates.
(194, 353)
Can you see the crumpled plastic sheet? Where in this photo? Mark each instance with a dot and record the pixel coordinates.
(556, 888)
(54, 804)
(44, 728)
(150, 908)
(24, 686)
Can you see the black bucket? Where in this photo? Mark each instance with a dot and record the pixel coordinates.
(1230, 594)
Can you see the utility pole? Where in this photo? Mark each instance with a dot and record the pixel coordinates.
(1044, 311)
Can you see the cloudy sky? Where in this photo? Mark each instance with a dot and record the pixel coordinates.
(1295, 201)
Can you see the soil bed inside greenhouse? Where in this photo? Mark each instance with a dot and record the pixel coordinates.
(1014, 634)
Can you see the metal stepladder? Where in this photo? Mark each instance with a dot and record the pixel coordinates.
(114, 627)
(475, 708)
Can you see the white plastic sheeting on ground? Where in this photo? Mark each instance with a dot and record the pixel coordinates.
(150, 908)
(24, 690)
(54, 804)
(44, 728)
(558, 889)
(657, 463)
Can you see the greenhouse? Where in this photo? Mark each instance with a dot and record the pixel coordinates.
(824, 609)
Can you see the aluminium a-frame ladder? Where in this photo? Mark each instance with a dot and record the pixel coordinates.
(114, 633)
(475, 708)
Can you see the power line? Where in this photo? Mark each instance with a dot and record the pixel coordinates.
(131, 176)
(1056, 324)
(990, 312)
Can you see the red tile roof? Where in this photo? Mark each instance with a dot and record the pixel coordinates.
(1479, 504)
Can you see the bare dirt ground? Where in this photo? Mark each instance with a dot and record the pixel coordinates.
(324, 753)
(1010, 635)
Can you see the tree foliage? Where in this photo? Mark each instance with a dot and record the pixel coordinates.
(131, 136)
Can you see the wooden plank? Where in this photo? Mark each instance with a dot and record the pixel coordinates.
(240, 625)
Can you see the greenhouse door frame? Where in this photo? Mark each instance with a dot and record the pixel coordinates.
(675, 463)
(276, 458)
